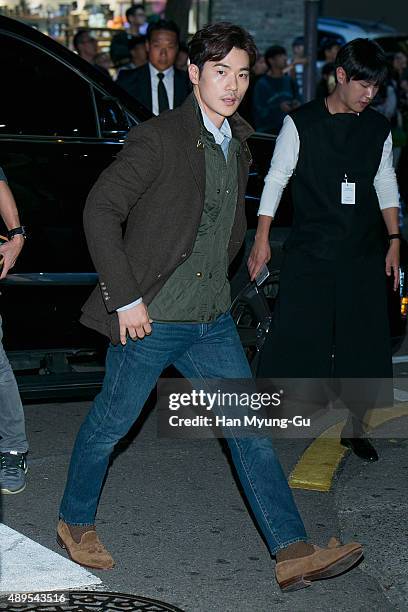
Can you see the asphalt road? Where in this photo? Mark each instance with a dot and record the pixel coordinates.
(174, 520)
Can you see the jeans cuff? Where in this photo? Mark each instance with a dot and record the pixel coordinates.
(76, 524)
(288, 543)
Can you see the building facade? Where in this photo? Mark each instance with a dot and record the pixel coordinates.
(269, 21)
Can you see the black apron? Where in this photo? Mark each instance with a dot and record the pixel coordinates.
(332, 298)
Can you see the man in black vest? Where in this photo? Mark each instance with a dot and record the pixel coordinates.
(333, 280)
(163, 297)
(158, 85)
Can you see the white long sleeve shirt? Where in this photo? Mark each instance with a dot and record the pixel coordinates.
(168, 83)
(284, 161)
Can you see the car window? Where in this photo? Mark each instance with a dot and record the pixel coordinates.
(40, 95)
(113, 120)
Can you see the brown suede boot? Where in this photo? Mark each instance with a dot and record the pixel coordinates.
(89, 552)
(299, 573)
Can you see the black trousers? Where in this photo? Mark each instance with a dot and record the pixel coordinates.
(331, 322)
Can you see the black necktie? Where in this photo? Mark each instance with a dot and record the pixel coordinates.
(162, 94)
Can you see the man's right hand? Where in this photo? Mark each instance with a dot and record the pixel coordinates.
(135, 322)
(260, 254)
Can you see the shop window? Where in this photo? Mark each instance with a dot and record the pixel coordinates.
(40, 95)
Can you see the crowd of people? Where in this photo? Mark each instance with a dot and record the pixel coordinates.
(276, 80)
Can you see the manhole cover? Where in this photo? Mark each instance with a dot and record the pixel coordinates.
(84, 601)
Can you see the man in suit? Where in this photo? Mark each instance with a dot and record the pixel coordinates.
(158, 85)
(163, 298)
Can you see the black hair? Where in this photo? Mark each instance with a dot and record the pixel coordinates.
(135, 41)
(77, 40)
(163, 24)
(328, 68)
(363, 60)
(274, 51)
(132, 10)
(183, 47)
(213, 42)
(299, 40)
(328, 42)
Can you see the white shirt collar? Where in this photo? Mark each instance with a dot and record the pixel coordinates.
(154, 71)
(219, 134)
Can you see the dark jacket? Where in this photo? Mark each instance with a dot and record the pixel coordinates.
(137, 83)
(119, 49)
(156, 185)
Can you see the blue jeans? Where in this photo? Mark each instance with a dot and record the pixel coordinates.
(12, 422)
(198, 351)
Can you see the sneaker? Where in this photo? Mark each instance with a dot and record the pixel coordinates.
(13, 470)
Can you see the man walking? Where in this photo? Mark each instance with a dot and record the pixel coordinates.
(332, 295)
(163, 298)
(13, 441)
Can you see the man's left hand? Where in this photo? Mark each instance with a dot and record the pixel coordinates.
(392, 261)
(10, 251)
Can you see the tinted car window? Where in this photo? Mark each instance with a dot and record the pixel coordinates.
(40, 95)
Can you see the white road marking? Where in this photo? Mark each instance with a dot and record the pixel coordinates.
(28, 566)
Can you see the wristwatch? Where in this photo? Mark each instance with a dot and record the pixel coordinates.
(17, 231)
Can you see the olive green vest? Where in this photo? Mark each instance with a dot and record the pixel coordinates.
(198, 290)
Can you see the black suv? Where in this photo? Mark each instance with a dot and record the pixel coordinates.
(61, 123)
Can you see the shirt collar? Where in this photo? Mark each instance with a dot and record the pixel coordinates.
(154, 71)
(219, 134)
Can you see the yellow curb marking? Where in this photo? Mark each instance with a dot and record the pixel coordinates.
(315, 469)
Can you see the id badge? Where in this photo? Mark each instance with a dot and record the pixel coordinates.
(348, 192)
